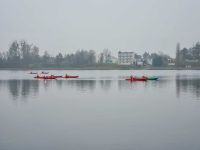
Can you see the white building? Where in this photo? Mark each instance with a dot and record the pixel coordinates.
(126, 58)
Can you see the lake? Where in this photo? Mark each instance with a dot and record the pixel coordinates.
(100, 111)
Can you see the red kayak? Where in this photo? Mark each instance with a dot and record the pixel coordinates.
(131, 78)
(45, 77)
(67, 76)
(57, 76)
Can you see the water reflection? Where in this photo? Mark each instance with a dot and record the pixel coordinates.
(122, 84)
(2, 84)
(105, 84)
(187, 85)
(23, 89)
(14, 86)
(81, 85)
(85, 85)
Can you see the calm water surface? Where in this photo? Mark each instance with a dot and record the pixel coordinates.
(100, 111)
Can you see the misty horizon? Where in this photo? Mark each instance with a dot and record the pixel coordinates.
(66, 26)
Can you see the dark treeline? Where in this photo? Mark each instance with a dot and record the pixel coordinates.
(24, 55)
(188, 56)
(156, 59)
(160, 60)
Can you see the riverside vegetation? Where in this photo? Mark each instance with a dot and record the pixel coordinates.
(22, 55)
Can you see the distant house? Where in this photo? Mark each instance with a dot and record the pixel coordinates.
(126, 58)
(171, 62)
(138, 60)
(139, 63)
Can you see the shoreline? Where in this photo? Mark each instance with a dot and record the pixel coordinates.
(101, 68)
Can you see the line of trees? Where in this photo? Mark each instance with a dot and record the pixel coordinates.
(160, 60)
(23, 54)
(188, 56)
(153, 59)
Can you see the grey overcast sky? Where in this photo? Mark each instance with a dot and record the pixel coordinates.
(127, 25)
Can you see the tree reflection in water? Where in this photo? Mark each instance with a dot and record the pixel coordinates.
(124, 85)
(80, 85)
(23, 89)
(14, 87)
(105, 84)
(187, 85)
